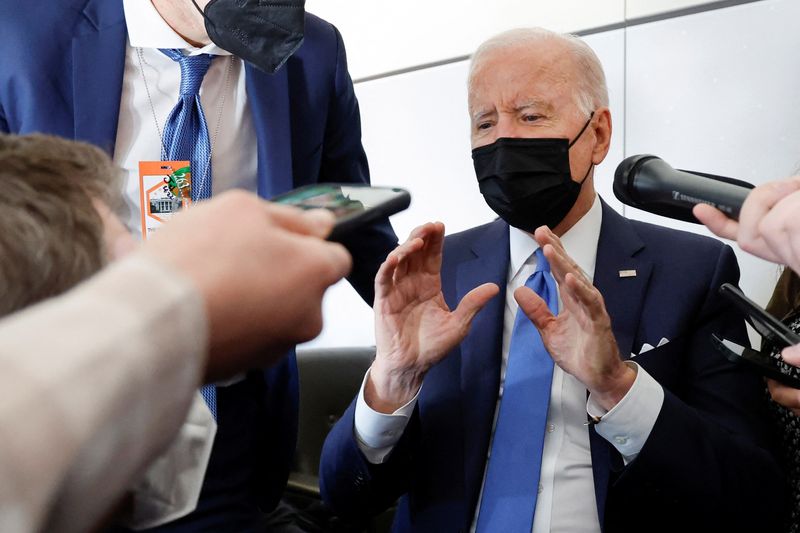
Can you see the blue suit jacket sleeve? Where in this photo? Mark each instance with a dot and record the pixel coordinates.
(354, 487)
(708, 460)
(343, 161)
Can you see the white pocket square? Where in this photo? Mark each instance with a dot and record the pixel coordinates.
(646, 347)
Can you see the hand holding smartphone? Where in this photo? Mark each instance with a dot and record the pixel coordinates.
(762, 363)
(353, 205)
(770, 328)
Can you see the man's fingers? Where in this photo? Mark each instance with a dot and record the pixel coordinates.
(533, 306)
(786, 396)
(474, 301)
(433, 248)
(320, 222)
(339, 260)
(316, 222)
(430, 258)
(585, 293)
(421, 232)
(408, 257)
(384, 279)
(329, 261)
(757, 205)
(583, 301)
(560, 263)
(716, 221)
(544, 235)
(779, 229)
(426, 232)
(395, 266)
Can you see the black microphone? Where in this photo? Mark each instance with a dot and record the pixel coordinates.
(647, 182)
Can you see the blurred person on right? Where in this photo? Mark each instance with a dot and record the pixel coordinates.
(769, 227)
(587, 397)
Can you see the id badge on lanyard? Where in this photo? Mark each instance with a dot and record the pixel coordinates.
(165, 188)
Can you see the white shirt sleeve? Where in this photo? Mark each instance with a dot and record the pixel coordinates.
(96, 384)
(629, 423)
(377, 433)
(170, 488)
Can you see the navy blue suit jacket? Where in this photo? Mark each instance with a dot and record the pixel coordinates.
(706, 464)
(62, 73)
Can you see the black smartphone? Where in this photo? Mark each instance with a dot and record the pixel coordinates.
(758, 361)
(353, 205)
(769, 327)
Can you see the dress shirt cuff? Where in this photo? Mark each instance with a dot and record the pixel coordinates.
(628, 424)
(170, 488)
(377, 433)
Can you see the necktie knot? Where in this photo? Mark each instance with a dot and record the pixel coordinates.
(542, 283)
(193, 70)
(541, 261)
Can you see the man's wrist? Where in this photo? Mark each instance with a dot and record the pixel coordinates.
(389, 388)
(615, 387)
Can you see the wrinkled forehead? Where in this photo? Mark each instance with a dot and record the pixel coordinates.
(544, 73)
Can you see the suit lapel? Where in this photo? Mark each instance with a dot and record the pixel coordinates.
(481, 354)
(617, 250)
(268, 96)
(98, 65)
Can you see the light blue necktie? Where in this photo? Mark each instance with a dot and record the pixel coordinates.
(186, 139)
(512, 478)
(186, 131)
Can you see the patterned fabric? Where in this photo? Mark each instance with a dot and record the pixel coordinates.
(788, 425)
(186, 130)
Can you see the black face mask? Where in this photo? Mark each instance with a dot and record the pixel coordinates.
(263, 33)
(527, 182)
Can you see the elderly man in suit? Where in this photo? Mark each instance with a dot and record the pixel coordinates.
(132, 77)
(587, 396)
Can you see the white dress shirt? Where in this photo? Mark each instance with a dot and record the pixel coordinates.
(566, 500)
(170, 488)
(234, 161)
(150, 89)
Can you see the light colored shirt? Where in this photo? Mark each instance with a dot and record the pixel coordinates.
(150, 89)
(94, 388)
(566, 501)
(234, 161)
(170, 488)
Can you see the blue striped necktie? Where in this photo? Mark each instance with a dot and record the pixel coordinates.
(512, 477)
(186, 139)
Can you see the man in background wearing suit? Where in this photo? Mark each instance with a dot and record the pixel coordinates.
(472, 424)
(115, 73)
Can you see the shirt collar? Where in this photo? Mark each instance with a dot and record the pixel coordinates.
(146, 29)
(580, 242)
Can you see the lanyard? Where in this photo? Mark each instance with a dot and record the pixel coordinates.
(220, 107)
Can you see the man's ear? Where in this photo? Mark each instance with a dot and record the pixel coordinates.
(117, 239)
(601, 126)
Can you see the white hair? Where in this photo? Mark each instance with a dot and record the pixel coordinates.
(591, 90)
